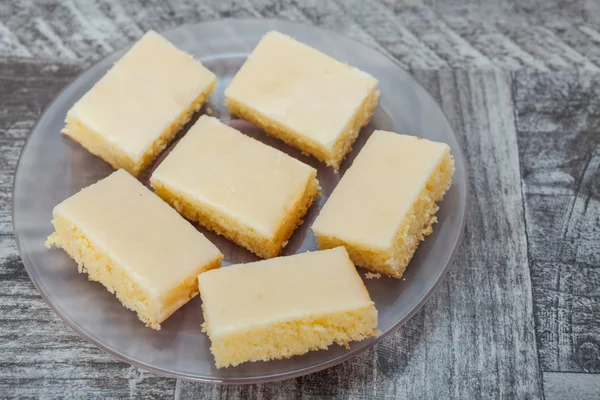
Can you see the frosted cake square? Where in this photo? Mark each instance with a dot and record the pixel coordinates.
(236, 186)
(132, 242)
(285, 306)
(303, 97)
(385, 204)
(130, 115)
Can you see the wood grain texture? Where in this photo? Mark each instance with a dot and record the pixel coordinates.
(560, 386)
(39, 354)
(532, 142)
(558, 123)
(475, 337)
(541, 34)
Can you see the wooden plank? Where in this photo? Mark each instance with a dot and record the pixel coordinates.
(279, 10)
(25, 89)
(9, 43)
(546, 45)
(485, 36)
(329, 15)
(435, 33)
(581, 38)
(560, 386)
(540, 34)
(475, 337)
(462, 34)
(39, 354)
(558, 117)
(391, 33)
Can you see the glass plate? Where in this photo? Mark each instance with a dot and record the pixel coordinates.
(52, 168)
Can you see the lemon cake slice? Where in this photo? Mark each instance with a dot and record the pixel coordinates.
(130, 115)
(286, 306)
(236, 186)
(132, 242)
(303, 97)
(385, 204)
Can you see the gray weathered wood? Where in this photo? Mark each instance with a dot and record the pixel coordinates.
(558, 122)
(535, 204)
(560, 386)
(420, 34)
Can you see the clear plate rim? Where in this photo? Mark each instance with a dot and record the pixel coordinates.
(459, 158)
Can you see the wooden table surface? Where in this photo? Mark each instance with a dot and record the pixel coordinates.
(519, 313)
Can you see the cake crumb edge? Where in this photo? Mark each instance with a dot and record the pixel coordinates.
(372, 275)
